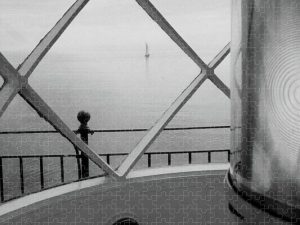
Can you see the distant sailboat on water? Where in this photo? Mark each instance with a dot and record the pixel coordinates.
(147, 51)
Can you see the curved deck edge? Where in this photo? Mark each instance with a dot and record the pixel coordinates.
(31, 202)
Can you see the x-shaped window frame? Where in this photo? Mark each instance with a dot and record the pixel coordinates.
(16, 82)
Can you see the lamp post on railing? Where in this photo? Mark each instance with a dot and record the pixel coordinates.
(84, 117)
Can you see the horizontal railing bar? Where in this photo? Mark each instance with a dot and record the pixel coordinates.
(114, 154)
(184, 152)
(170, 128)
(55, 156)
(114, 130)
(35, 156)
(29, 132)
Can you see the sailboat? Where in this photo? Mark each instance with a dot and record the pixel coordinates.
(147, 51)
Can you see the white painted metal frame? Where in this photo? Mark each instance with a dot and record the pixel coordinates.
(16, 81)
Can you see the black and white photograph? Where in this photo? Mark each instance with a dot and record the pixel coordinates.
(149, 112)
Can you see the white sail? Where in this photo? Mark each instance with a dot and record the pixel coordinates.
(147, 51)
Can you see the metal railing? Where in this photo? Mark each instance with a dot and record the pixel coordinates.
(116, 130)
(84, 131)
(108, 157)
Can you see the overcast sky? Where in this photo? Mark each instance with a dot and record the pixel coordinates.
(105, 23)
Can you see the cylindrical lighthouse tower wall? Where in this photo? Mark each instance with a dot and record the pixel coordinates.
(265, 92)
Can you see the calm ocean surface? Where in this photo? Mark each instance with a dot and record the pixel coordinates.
(119, 87)
(120, 92)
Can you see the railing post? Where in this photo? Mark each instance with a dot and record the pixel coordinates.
(78, 159)
(149, 159)
(42, 172)
(21, 174)
(190, 158)
(1, 180)
(108, 159)
(228, 155)
(169, 159)
(84, 117)
(209, 157)
(62, 173)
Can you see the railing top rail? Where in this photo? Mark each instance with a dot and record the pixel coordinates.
(183, 152)
(116, 130)
(113, 154)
